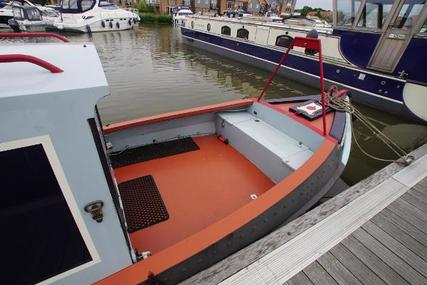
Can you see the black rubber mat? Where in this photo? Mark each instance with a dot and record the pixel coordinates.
(153, 151)
(142, 203)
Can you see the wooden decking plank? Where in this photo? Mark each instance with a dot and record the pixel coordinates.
(373, 262)
(299, 279)
(409, 217)
(402, 205)
(422, 185)
(355, 265)
(338, 271)
(397, 247)
(318, 275)
(390, 258)
(420, 189)
(387, 225)
(413, 198)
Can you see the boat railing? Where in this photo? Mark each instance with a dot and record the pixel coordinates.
(313, 46)
(34, 35)
(8, 58)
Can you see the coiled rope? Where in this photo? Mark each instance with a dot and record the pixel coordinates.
(338, 102)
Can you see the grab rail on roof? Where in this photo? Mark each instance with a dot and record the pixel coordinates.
(34, 35)
(31, 59)
(312, 45)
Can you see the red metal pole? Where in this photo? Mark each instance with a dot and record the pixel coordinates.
(28, 58)
(34, 35)
(322, 89)
(276, 70)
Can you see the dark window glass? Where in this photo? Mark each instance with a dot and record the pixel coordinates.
(243, 33)
(40, 238)
(283, 41)
(225, 30)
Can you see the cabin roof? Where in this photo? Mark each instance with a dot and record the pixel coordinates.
(80, 64)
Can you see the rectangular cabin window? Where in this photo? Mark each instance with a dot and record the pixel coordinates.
(409, 14)
(374, 14)
(424, 27)
(40, 238)
(346, 12)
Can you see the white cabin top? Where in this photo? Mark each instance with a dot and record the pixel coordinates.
(79, 61)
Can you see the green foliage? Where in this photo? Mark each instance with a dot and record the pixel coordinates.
(155, 18)
(305, 10)
(144, 7)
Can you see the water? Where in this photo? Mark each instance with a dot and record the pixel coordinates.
(150, 71)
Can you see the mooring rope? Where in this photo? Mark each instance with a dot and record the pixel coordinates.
(341, 103)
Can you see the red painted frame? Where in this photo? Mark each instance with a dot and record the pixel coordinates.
(31, 59)
(308, 43)
(34, 35)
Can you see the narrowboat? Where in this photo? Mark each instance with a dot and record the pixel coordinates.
(376, 50)
(153, 199)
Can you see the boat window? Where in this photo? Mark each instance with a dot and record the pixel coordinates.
(243, 33)
(18, 13)
(87, 5)
(409, 14)
(283, 41)
(346, 11)
(40, 237)
(33, 14)
(374, 14)
(225, 30)
(424, 27)
(107, 5)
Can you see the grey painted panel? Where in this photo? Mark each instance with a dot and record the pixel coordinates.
(268, 162)
(63, 116)
(287, 125)
(162, 131)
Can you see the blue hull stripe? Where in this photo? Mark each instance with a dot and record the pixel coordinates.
(377, 84)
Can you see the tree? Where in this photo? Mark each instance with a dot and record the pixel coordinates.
(305, 10)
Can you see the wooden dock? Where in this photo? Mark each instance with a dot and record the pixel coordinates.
(373, 233)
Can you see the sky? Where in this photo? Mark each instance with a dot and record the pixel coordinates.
(325, 4)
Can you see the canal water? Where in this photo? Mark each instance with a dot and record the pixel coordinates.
(151, 71)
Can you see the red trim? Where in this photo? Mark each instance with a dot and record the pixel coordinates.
(307, 43)
(173, 115)
(34, 35)
(28, 58)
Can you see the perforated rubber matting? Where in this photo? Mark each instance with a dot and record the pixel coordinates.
(142, 203)
(153, 151)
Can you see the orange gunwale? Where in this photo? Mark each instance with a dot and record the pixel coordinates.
(184, 249)
(174, 115)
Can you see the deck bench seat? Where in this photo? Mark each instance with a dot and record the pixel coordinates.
(276, 153)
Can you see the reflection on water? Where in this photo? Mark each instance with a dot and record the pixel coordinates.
(150, 71)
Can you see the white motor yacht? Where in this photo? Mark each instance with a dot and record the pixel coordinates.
(88, 16)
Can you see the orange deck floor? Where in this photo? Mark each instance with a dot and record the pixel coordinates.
(198, 188)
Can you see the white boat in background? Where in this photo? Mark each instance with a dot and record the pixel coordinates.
(88, 16)
(22, 15)
(180, 15)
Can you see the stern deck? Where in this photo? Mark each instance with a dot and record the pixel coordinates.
(198, 188)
